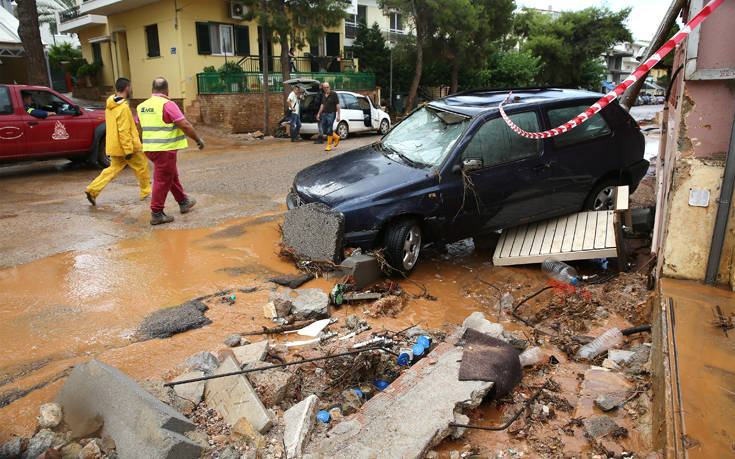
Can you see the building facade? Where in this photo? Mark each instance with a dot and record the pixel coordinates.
(368, 12)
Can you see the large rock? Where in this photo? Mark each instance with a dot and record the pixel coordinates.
(299, 421)
(12, 448)
(193, 391)
(312, 303)
(250, 353)
(140, 424)
(272, 385)
(315, 231)
(42, 441)
(170, 321)
(203, 361)
(50, 415)
(282, 301)
(233, 398)
(233, 340)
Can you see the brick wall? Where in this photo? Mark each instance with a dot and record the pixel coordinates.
(239, 112)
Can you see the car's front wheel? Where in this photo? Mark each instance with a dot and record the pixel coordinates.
(602, 196)
(101, 153)
(403, 245)
(384, 127)
(343, 130)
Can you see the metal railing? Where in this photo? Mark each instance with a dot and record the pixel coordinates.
(69, 14)
(393, 35)
(351, 30)
(247, 82)
(308, 64)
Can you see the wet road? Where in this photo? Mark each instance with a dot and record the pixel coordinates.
(44, 211)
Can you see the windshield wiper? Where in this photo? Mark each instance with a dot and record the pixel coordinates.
(406, 159)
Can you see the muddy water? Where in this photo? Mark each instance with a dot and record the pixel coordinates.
(71, 307)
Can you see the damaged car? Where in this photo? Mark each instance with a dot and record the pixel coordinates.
(453, 169)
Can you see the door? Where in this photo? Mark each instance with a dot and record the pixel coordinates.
(509, 185)
(352, 112)
(122, 55)
(368, 113)
(12, 136)
(332, 49)
(67, 132)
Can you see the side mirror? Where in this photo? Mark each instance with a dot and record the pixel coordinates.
(471, 164)
(77, 110)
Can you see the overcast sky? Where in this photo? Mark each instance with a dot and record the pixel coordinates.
(642, 22)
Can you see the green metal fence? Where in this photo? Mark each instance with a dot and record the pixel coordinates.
(235, 83)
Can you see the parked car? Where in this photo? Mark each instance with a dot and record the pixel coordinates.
(359, 113)
(454, 169)
(75, 133)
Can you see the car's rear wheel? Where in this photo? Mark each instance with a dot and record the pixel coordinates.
(101, 153)
(403, 245)
(343, 130)
(602, 196)
(384, 127)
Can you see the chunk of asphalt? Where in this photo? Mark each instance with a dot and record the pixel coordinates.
(140, 424)
(177, 319)
(315, 231)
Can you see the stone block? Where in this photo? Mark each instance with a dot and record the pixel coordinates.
(250, 353)
(233, 398)
(477, 321)
(299, 421)
(202, 361)
(365, 269)
(311, 303)
(282, 301)
(193, 391)
(315, 231)
(140, 424)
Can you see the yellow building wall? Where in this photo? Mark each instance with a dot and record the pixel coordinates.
(375, 14)
(106, 76)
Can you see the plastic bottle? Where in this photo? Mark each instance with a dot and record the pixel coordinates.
(608, 340)
(532, 356)
(560, 271)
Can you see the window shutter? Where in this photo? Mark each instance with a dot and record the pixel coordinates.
(151, 32)
(204, 45)
(242, 40)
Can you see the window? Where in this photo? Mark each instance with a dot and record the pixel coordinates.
(44, 100)
(364, 103)
(222, 39)
(396, 22)
(97, 53)
(6, 105)
(495, 143)
(349, 102)
(362, 14)
(591, 129)
(151, 37)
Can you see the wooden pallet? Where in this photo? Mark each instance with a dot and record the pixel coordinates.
(580, 236)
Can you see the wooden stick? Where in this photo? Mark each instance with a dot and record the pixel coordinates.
(280, 328)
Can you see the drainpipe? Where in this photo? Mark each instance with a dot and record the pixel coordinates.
(723, 211)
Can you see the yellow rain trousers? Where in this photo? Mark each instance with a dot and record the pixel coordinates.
(138, 162)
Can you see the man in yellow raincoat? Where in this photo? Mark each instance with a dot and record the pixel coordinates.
(122, 144)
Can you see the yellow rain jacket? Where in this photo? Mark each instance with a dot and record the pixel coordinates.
(122, 135)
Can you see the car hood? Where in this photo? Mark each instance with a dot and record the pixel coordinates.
(358, 173)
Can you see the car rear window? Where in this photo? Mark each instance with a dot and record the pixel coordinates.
(6, 105)
(495, 143)
(593, 128)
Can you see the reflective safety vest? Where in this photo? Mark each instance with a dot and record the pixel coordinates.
(157, 135)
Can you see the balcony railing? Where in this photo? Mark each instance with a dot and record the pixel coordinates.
(393, 35)
(69, 14)
(247, 82)
(303, 64)
(351, 30)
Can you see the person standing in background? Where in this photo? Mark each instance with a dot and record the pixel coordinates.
(328, 111)
(294, 104)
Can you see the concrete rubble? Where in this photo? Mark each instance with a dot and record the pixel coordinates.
(311, 303)
(95, 388)
(364, 269)
(50, 415)
(203, 361)
(250, 353)
(314, 231)
(299, 421)
(273, 386)
(193, 392)
(477, 321)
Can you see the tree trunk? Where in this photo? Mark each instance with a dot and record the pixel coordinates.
(30, 35)
(265, 59)
(455, 75)
(285, 67)
(419, 66)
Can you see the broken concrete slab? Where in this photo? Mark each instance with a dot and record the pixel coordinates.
(250, 353)
(273, 386)
(202, 361)
(157, 431)
(599, 381)
(607, 402)
(282, 301)
(311, 303)
(364, 269)
(299, 421)
(599, 426)
(193, 391)
(477, 321)
(170, 321)
(314, 231)
(411, 415)
(233, 398)
(619, 356)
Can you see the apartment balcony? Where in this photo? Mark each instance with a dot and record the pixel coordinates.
(73, 20)
(350, 30)
(393, 35)
(108, 7)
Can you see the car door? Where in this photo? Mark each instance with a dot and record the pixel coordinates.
(580, 156)
(352, 112)
(12, 136)
(366, 107)
(504, 178)
(65, 133)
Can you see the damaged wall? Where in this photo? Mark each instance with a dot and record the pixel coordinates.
(699, 124)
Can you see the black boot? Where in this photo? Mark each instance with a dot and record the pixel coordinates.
(319, 139)
(186, 205)
(158, 218)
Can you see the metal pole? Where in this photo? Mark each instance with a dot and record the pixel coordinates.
(390, 89)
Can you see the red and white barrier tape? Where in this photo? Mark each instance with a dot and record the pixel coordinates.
(619, 89)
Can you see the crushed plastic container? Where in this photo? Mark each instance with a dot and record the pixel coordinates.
(608, 340)
(405, 356)
(532, 356)
(358, 392)
(323, 416)
(424, 341)
(381, 385)
(560, 271)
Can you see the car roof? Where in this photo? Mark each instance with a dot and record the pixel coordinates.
(477, 101)
(356, 94)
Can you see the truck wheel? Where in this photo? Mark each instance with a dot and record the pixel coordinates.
(403, 245)
(342, 130)
(384, 127)
(602, 196)
(101, 153)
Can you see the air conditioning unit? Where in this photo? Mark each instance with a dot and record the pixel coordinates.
(238, 10)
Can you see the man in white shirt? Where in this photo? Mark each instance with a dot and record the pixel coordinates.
(294, 103)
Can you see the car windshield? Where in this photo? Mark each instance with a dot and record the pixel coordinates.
(425, 138)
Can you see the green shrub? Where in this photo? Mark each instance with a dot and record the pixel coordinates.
(209, 69)
(90, 70)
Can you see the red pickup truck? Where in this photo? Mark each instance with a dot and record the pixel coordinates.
(72, 132)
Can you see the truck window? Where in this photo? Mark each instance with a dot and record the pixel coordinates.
(6, 104)
(495, 143)
(591, 129)
(45, 100)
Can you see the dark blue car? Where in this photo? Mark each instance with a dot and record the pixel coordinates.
(454, 169)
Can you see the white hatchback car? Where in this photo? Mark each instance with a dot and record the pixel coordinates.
(359, 113)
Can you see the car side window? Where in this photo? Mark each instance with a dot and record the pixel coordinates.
(591, 129)
(495, 143)
(351, 102)
(44, 100)
(364, 103)
(6, 104)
